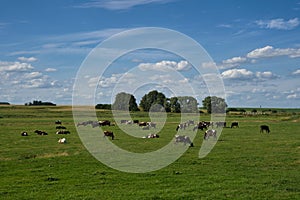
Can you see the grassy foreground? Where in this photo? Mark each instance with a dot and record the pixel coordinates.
(244, 164)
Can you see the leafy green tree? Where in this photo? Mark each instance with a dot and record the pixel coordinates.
(152, 98)
(214, 104)
(174, 105)
(188, 104)
(125, 101)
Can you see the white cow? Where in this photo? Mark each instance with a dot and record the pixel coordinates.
(62, 140)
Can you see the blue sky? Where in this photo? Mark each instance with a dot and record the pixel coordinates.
(255, 45)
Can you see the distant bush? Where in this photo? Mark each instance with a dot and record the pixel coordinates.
(241, 110)
(4, 103)
(39, 103)
(103, 106)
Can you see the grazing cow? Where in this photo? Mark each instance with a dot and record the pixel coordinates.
(220, 124)
(95, 124)
(108, 134)
(61, 127)
(264, 128)
(104, 123)
(184, 139)
(136, 121)
(190, 122)
(181, 126)
(142, 123)
(201, 125)
(209, 133)
(82, 124)
(124, 121)
(24, 134)
(63, 132)
(151, 136)
(62, 140)
(58, 122)
(40, 132)
(234, 124)
(151, 124)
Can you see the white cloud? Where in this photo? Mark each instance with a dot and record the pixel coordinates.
(293, 96)
(279, 24)
(27, 59)
(269, 51)
(297, 72)
(244, 74)
(265, 75)
(32, 75)
(118, 4)
(50, 70)
(15, 67)
(233, 62)
(237, 74)
(165, 65)
(104, 82)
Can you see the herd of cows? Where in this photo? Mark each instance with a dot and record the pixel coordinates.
(60, 129)
(207, 127)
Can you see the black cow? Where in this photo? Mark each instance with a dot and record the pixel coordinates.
(201, 126)
(40, 132)
(234, 124)
(109, 134)
(142, 123)
(104, 123)
(60, 127)
(264, 128)
(24, 134)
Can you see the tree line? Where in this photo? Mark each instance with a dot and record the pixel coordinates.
(156, 101)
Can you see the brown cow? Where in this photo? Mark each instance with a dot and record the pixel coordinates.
(109, 134)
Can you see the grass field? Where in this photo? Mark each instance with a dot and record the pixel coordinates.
(244, 164)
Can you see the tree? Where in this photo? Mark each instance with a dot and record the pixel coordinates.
(214, 104)
(188, 104)
(153, 98)
(174, 105)
(125, 101)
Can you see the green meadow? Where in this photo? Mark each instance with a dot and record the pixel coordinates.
(244, 164)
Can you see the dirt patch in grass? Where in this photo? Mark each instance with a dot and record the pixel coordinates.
(52, 155)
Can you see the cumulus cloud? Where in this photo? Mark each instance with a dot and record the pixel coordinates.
(279, 24)
(244, 74)
(297, 72)
(237, 74)
(15, 67)
(165, 65)
(265, 75)
(25, 59)
(104, 82)
(233, 62)
(269, 51)
(21, 75)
